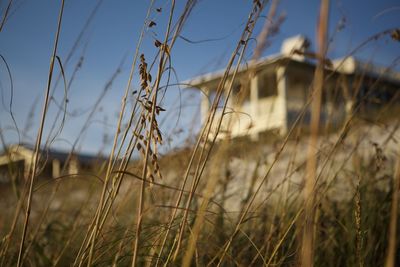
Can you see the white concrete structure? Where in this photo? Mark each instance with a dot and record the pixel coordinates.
(271, 93)
(16, 162)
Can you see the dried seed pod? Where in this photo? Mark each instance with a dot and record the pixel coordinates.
(150, 176)
(157, 43)
(395, 35)
(152, 23)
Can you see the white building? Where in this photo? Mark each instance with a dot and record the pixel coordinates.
(271, 93)
(16, 162)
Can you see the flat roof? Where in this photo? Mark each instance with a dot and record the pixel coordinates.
(213, 76)
(347, 65)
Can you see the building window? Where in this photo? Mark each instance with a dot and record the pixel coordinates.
(267, 85)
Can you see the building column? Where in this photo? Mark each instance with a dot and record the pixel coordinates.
(254, 94)
(281, 88)
(254, 104)
(55, 168)
(28, 163)
(73, 166)
(347, 95)
(204, 105)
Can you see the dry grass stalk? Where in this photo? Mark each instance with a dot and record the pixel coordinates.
(307, 247)
(357, 217)
(39, 139)
(264, 179)
(68, 159)
(69, 56)
(206, 131)
(4, 19)
(391, 252)
(164, 54)
(107, 202)
(201, 213)
(271, 244)
(270, 27)
(103, 204)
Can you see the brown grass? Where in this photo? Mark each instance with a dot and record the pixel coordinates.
(318, 195)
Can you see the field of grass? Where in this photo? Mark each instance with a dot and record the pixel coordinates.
(313, 197)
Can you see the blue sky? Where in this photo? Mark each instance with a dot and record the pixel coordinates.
(27, 39)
